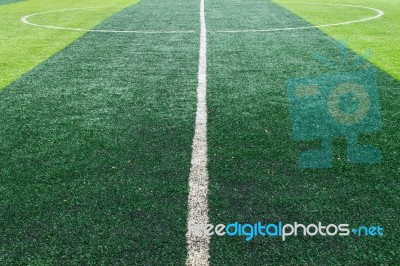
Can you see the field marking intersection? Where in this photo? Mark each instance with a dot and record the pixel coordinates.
(379, 13)
(198, 243)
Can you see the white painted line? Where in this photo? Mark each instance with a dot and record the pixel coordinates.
(188, 3)
(26, 21)
(379, 13)
(198, 242)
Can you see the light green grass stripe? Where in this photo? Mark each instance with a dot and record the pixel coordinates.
(22, 46)
(381, 36)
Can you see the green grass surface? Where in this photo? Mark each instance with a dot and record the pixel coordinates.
(253, 168)
(96, 139)
(22, 46)
(381, 36)
(96, 145)
(5, 2)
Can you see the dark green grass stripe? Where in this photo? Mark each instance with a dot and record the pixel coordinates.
(95, 148)
(246, 16)
(164, 16)
(5, 2)
(253, 161)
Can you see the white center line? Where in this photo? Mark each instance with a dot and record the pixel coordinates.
(198, 243)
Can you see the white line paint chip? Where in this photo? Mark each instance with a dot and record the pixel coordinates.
(198, 242)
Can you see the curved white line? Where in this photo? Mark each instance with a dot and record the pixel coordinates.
(379, 13)
(26, 21)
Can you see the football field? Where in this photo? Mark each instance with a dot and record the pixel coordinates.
(126, 126)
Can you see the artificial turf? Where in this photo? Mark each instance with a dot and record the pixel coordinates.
(380, 36)
(22, 46)
(5, 2)
(96, 145)
(96, 141)
(253, 167)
